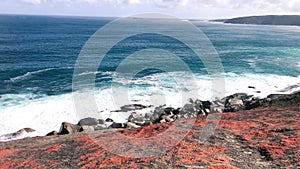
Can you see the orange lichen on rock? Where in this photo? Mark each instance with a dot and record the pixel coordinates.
(261, 138)
(21, 164)
(6, 152)
(53, 148)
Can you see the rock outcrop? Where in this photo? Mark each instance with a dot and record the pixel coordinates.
(266, 137)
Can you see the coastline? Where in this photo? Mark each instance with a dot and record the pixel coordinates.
(265, 137)
(139, 115)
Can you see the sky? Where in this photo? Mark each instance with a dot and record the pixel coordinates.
(185, 9)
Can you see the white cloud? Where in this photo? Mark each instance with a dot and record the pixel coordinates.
(186, 8)
(294, 5)
(33, 1)
(285, 5)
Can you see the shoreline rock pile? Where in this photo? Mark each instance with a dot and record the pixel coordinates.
(163, 114)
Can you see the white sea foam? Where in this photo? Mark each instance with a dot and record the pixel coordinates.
(47, 113)
(28, 74)
(89, 73)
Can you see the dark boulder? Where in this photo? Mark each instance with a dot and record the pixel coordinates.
(88, 122)
(147, 116)
(109, 120)
(169, 110)
(176, 111)
(235, 102)
(217, 106)
(136, 118)
(285, 100)
(52, 133)
(69, 128)
(206, 104)
(101, 121)
(132, 107)
(253, 103)
(117, 125)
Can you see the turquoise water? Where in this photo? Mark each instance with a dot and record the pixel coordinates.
(38, 54)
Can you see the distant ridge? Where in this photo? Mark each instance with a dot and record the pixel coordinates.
(292, 20)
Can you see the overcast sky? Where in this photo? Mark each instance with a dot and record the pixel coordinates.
(195, 9)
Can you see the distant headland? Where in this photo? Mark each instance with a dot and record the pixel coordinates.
(291, 20)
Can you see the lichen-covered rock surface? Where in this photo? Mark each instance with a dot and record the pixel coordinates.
(267, 137)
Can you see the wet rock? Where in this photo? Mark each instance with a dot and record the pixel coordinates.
(147, 123)
(217, 106)
(136, 118)
(16, 135)
(158, 112)
(69, 128)
(52, 133)
(133, 107)
(206, 104)
(235, 102)
(284, 100)
(251, 87)
(176, 111)
(101, 121)
(169, 110)
(253, 103)
(147, 116)
(117, 125)
(88, 122)
(109, 120)
(275, 96)
(188, 108)
(190, 100)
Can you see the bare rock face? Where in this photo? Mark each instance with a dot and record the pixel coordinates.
(69, 128)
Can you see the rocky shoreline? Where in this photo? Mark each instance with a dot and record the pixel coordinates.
(162, 114)
(264, 137)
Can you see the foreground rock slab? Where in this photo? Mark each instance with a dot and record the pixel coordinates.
(262, 138)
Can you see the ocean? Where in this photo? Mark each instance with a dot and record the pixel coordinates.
(38, 55)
